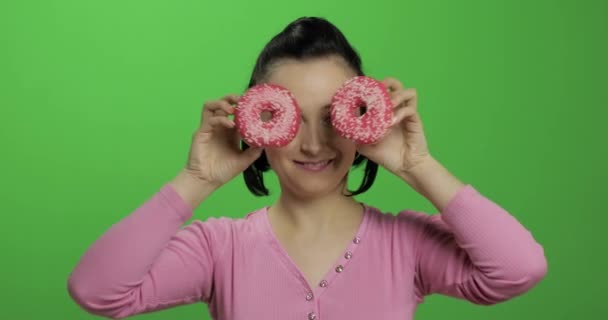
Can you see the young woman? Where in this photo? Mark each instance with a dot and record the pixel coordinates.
(316, 253)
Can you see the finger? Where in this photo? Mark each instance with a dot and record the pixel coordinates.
(392, 84)
(236, 139)
(220, 107)
(232, 98)
(402, 96)
(205, 113)
(251, 154)
(215, 122)
(247, 157)
(405, 112)
(220, 121)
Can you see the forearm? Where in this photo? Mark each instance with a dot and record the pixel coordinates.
(433, 181)
(477, 250)
(118, 261)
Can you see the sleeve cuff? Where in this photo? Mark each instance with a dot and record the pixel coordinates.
(461, 200)
(183, 209)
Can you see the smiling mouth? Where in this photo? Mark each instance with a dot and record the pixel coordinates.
(313, 166)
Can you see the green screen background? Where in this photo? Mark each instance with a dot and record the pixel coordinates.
(98, 101)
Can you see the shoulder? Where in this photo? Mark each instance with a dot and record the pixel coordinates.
(224, 228)
(465, 200)
(220, 234)
(406, 220)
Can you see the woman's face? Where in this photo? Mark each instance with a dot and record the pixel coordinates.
(317, 160)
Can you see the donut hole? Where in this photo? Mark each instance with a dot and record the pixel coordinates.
(266, 116)
(360, 109)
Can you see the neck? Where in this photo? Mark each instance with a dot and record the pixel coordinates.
(316, 215)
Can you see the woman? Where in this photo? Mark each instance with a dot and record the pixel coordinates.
(316, 253)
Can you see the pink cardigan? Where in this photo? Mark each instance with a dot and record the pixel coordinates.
(474, 250)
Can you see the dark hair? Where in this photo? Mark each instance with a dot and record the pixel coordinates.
(304, 38)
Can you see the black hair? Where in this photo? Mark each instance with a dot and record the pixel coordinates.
(304, 38)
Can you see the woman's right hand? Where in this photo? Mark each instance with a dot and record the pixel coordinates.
(215, 157)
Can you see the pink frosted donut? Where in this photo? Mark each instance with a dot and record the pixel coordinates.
(355, 93)
(283, 124)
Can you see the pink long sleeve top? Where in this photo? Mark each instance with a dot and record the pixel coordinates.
(151, 260)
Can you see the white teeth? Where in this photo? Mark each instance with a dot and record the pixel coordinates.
(315, 164)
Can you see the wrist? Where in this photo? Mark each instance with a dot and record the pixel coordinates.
(192, 189)
(422, 167)
(433, 181)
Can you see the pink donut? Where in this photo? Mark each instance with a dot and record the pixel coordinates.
(373, 124)
(285, 116)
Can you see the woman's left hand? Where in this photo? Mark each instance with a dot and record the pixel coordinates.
(404, 146)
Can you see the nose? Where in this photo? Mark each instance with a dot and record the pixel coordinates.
(312, 139)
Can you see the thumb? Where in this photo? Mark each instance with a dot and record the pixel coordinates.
(251, 154)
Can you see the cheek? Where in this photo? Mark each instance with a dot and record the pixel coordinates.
(347, 148)
(275, 156)
(271, 156)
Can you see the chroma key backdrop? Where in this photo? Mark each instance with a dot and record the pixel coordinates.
(99, 100)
